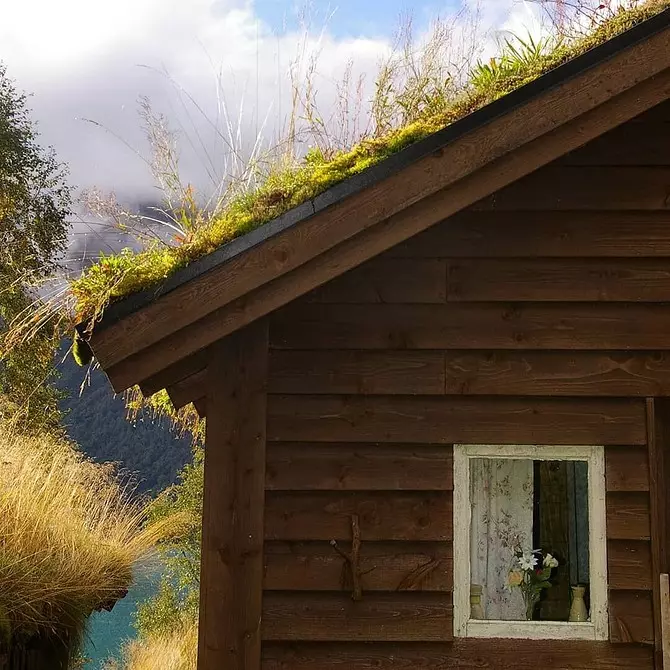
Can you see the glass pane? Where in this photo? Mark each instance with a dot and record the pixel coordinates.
(529, 541)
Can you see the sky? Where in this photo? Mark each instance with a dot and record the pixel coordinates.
(219, 70)
(373, 18)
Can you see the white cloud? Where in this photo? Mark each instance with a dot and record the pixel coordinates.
(83, 59)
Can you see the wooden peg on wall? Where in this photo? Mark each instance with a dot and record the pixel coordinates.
(353, 559)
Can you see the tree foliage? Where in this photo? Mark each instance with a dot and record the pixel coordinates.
(176, 603)
(35, 203)
(34, 195)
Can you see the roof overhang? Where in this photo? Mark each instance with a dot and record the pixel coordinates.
(157, 338)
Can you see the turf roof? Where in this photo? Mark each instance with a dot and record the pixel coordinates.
(252, 217)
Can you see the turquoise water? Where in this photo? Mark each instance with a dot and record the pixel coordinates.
(108, 631)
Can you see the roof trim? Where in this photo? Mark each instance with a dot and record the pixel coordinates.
(411, 154)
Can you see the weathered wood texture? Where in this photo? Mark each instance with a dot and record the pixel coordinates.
(628, 516)
(486, 325)
(377, 617)
(388, 280)
(640, 143)
(631, 617)
(385, 566)
(543, 234)
(359, 467)
(326, 515)
(627, 469)
(450, 419)
(365, 372)
(458, 372)
(658, 427)
(233, 514)
(559, 279)
(569, 373)
(463, 654)
(629, 565)
(559, 187)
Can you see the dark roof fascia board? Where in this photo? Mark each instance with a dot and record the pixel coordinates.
(124, 307)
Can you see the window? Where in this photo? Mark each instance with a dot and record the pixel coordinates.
(530, 554)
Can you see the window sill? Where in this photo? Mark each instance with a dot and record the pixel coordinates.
(533, 630)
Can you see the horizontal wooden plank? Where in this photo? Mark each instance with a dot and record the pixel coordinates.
(565, 326)
(628, 516)
(377, 617)
(585, 188)
(415, 516)
(389, 281)
(546, 234)
(631, 617)
(303, 466)
(629, 565)
(464, 654)
(627, 469)
(450, 419)
(382, 372)
(554, 279)
(385, 566)
(633, 143)
(356, 372)
(571, 373)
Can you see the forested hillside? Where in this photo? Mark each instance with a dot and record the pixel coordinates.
(96, 420)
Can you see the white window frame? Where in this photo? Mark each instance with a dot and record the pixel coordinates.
(598, 626)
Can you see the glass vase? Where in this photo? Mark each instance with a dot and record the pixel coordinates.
(530, 599)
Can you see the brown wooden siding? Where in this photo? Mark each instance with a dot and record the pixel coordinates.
(385, 566)
(300, 466)
(541, 315)
(476, 325)
(451, 419)
(461, 654)
(384, 617)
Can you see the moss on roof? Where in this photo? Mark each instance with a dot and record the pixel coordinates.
(120, 275)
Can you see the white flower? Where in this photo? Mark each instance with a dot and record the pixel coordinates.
(550, 561)
(527, 561)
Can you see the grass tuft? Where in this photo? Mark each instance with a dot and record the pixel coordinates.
(287, 186)
(70, 534)
(175, 651)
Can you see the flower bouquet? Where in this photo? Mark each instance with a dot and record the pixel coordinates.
(531, 572)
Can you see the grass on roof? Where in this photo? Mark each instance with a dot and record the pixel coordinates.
(120, 275)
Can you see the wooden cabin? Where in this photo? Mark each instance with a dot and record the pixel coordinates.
(497, 292)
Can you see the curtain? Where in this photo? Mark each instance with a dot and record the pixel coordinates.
(501, 497)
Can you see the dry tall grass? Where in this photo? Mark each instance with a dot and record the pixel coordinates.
(69, 536)
(177, 651)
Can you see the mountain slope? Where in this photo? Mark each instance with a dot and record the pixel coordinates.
(96, 421)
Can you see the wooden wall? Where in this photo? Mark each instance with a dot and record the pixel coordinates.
(541, 315)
